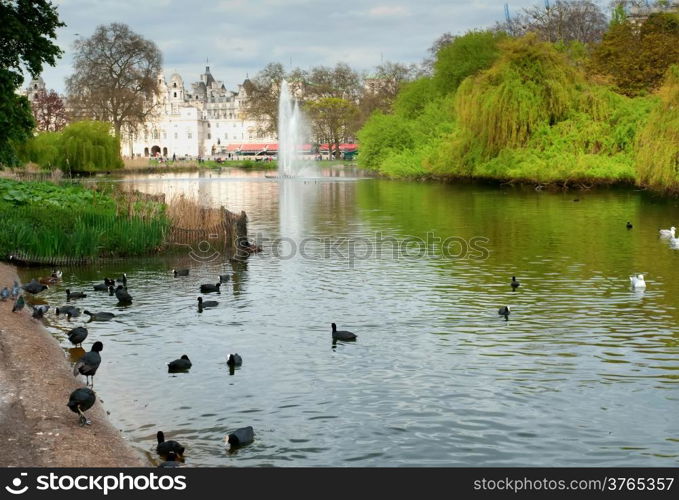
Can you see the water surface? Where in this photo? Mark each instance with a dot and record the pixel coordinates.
(584, 373)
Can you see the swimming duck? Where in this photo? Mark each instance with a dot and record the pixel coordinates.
(209, 288)
(178, 365)
(240, 437)
(74, 295)
(100, 316)
(504, 311)
(34, 287)
(123, 296)
(180, 272)
(234, 360)
(515, 284)
(164, 448)
(629, 225)
(205, 304)
(637, 281)
(667, 233)
(341, 334)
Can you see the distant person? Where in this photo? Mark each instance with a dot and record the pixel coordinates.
(174, 156)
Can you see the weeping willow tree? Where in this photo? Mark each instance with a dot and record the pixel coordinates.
(657, 151)
(88, 146)
(531, 85)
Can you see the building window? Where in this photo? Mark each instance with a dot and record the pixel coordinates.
(174, 84)
(176, 135)
(175, 94)
(190, 135)
(217, 125)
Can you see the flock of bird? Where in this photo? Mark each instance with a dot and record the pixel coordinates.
(83, 398)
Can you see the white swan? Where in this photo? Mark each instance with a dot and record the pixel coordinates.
(668, 233)
(674, 243)
(637, 281)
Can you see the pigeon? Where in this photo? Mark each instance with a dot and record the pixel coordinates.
(19, 304)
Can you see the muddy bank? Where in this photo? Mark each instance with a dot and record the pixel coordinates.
(36, 427)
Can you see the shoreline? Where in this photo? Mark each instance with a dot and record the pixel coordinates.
(36, 427)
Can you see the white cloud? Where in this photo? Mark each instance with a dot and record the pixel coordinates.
(388, 11)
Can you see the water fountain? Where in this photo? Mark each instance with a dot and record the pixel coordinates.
(290, 126)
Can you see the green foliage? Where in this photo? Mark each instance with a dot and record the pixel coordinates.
(658, 142)
(636, 59)
(89, 146)
(532, 116)
(385, 137)
(531, 86)
(80, 147)
(26, 33)
(44, 220)
(465, 56)
(43, 149)
(414, 96)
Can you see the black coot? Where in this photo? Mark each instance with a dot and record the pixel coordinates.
(80, 401)
(164, 448)
(123, 296)
(88, 364)
(77, 335)
(206, 304)
(240, 437)
(342, 334)
(209, 288)
(179, 365)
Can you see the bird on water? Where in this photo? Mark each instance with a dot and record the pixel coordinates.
(342, 334)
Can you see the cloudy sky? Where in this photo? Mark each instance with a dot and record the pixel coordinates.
(239, 37)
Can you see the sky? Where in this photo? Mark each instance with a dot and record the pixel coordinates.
(237, 38)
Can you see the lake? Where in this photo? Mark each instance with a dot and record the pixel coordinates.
(585, 371)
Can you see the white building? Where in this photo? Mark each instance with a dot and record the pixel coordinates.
(204, 119)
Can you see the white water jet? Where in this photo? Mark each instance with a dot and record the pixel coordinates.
(290, 135)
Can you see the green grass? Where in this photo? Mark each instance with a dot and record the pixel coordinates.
(45, 221)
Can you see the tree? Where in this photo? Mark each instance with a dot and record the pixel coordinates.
(48, 111)
(382, 87)
(561, 21)
(263, 93)
(26, 33)
(439, 43)
(114, 79)
(637, 58)
(333, 120)
(340, 82)
(465, 56)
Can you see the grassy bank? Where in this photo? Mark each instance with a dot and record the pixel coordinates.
(43, 221)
